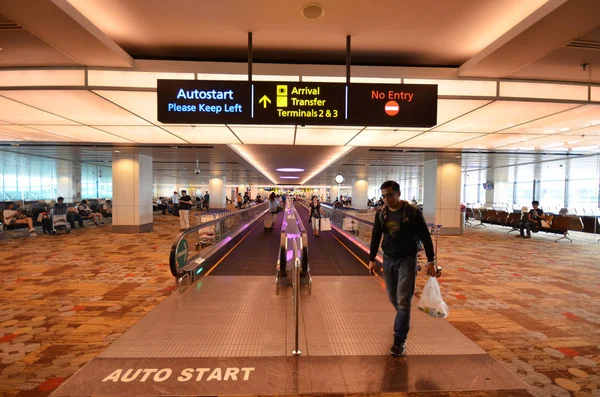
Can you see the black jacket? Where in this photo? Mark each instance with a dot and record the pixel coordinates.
(405, 242)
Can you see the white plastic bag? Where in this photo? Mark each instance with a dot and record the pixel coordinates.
(431, 300)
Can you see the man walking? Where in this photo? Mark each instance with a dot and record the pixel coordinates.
(402, 225)
(185, 205)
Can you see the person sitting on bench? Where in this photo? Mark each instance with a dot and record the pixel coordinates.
(87, 213)
(13, 217)
(532, 221)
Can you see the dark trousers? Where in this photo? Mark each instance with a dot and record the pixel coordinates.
(527, 225)
(400, 276)
(71, 218)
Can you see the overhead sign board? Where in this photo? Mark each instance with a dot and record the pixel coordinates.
(392, 105)
(299, 103)
(296, 103)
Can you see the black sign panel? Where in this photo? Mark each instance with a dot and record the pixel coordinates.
(203, 102)
(279, 103)
(392, 105)
(300, 103)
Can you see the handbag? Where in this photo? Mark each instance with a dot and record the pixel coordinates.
(325, 225)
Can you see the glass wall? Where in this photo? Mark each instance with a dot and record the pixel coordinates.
(572, 183)
(31, 178)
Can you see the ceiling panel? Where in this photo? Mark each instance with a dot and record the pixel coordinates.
(590, 131)
(268, 134)
(336, 136)
(82, 133)
(141, 103)
(553, 142)
(29, 134)
(82, 106)
(503, 114)
(143, 134)
(492, 141)
(211, 134)
(437, 139)
(377, 137)
(17, 113)
(564, 122)
(449, 109)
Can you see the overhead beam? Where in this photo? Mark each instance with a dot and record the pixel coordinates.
(550, 27)
(59, 24)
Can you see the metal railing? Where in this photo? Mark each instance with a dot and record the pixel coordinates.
(191, 247)
(294, 251)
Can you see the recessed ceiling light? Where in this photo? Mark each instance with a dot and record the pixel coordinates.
(117, 151)
(290, 169)
(312, 11)
(289, 177)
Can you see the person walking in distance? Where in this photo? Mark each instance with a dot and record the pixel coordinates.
(402, 225)
(185, 205)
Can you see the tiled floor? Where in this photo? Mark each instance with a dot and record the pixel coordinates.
(532, 304)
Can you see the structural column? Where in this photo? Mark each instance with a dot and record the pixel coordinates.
(218, 191)
(489, 193)
(441, 195)
(132, 193)
(360, 194)
(334, 192)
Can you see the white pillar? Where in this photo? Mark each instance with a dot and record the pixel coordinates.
(66, 174)
(489, 194)
(132, 193)
(360, 194)
(441, 201)
(217, 191)
(335, 192)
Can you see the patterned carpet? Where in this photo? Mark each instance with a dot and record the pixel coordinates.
(532, 304)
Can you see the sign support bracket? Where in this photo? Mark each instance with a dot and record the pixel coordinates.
(250, 57)
(348, 48)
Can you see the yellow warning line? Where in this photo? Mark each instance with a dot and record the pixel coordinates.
(229, 252)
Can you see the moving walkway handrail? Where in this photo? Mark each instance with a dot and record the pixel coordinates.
(179, 271)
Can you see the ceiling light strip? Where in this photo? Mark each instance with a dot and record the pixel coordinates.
(242, 152)
(344, 151)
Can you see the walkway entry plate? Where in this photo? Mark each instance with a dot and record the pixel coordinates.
(208, 342)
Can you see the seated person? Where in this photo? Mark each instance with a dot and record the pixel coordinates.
(13, 217)
(87, 213)
(107, 207)
(72, 215)
(532, 220)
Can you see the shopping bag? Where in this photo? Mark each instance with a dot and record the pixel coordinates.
(325, 225)
(431, 300)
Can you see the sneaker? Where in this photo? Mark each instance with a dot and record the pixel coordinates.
(33, 234)
(527, 237)
(398, 349)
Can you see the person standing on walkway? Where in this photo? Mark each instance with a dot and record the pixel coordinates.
(402, 225)
(185, 205)
(315, 214)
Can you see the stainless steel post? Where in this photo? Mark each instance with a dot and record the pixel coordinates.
(296, 351)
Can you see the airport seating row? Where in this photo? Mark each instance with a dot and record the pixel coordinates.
(554, 223)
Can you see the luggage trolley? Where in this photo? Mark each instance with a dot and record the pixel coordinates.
(58, 217)
(206, 236)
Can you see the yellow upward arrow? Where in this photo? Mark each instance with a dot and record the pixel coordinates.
(264, 100)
